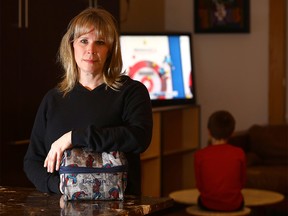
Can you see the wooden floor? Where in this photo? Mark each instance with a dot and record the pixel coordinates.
(176, 210)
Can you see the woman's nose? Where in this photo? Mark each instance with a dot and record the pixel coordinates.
(91, 50)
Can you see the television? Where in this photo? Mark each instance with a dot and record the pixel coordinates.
(163, 63)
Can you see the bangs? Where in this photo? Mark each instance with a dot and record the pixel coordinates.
(100, 26)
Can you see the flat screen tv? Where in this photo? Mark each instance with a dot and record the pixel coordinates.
(163, 63)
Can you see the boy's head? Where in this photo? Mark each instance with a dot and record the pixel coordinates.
(221, 124)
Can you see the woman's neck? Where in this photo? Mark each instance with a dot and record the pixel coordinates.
(91, 82)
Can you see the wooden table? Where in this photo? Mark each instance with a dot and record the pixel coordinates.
(29, 201)
(252, 197)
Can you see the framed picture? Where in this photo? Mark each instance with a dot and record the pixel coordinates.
(222, 16)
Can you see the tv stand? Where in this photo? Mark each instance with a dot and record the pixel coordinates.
(167, 165)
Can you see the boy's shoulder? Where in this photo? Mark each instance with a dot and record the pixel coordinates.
(219, 147)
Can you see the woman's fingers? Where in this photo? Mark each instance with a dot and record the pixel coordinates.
(52, 161)
(58, 161)
(54, 157)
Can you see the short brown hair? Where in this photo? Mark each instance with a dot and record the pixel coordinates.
(221, 124)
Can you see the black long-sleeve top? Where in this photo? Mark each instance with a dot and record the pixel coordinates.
(102, 119)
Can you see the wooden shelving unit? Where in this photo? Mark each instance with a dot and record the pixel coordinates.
(167, 165)
(151, 164)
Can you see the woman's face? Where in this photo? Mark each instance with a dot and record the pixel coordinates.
(90, 52)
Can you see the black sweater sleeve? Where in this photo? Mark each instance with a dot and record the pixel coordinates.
(134, 135)
(36, 154)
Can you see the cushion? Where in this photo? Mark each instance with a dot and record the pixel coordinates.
(252, 159)
(273, 178)
(270, 143)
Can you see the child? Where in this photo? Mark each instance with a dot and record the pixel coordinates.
(220, 168)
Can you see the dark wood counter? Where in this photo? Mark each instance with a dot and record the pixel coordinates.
(29, 201)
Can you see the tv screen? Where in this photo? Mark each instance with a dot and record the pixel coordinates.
(163, 63)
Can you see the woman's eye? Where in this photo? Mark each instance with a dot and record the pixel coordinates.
(84, 41)
(100, 42)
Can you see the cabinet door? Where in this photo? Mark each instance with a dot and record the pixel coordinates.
(10, 67)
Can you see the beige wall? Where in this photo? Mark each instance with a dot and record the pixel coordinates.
(231, 69)
(142, 15)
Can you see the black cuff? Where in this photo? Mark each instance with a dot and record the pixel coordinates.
(54, 183)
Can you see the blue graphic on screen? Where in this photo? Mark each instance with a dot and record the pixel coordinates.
(175, 54)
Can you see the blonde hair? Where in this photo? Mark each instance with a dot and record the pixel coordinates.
(105, 26)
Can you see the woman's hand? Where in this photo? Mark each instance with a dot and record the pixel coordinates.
(62, 202)
(54, 156)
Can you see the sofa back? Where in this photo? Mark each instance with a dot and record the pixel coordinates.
(270, 143)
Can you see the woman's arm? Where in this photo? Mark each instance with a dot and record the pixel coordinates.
(133, 135)
(36, 154)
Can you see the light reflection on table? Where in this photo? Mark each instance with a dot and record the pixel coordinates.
(29, 201)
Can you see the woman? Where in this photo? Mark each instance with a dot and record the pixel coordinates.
(94, 106)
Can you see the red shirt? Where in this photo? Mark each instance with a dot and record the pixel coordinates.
(220, 172)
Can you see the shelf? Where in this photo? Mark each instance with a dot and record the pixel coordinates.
(154, 147)
(151, 179)
(168, 108)
(149, 157)
(180, 128)
(177, 172)
(167, 164)
(150, 162)
(179, 151)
